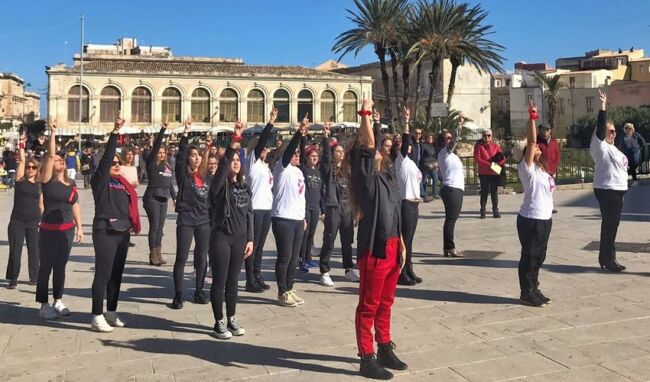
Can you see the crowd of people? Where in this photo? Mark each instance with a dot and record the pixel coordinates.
(227, 200)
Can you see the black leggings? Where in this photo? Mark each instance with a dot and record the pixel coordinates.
(410, 214)
(533, 236)
(336, 218)
(111, 248)
(184, 234)
(156, 209)
(452, 198)
(262, 223)
(54, 251)
(18, 232)
(489, 185)
(611, 206)
(226, 257)
(288, 237)
(312, 217)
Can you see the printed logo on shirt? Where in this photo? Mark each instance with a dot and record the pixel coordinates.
(167, 172)
(551, 183)
(301, 186)
(241, 198)
(314, 181)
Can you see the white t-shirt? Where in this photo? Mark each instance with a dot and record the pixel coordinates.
(410, 177)
(610, 164)
(288, 192)
(261, 180)
(451, 170)
(538, 192)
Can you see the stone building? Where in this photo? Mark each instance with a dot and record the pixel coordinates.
(148, 85)
(17, 104)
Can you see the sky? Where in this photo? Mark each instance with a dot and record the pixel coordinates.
(39, 33)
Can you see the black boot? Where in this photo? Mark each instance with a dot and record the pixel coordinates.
(387, 358)
(253, 287)
(177, 302)
(482, 213)
(370, 368)
(612, 266)
(260, 282)
(404, 279)
(411, 273)
(495, 213)
(200, 297)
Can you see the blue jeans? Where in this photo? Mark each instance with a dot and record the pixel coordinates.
(426, 174)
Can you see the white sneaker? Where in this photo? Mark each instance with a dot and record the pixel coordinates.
(99, 324)
(47, 312)
(221, 331)
(351, 275)
(326, 280)
(113, 320)
(634, 183)
(234, 327)
(60, 308)
(299, 300)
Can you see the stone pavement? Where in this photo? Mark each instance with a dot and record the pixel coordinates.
(464, 323)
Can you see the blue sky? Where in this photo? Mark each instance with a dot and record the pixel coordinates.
(36, 33)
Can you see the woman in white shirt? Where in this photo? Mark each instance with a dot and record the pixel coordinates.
(453, 189)
(610, 185)
(534, 220)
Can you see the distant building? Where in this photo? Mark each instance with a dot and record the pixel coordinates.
(500, 103)
(17, 104)
(148, 85)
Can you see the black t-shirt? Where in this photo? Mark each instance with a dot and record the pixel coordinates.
(200, 212)
(26, 202)
(239, 200)
(58, 199)
(314, 189)
(342, 186)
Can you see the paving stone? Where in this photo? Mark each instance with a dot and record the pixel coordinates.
(635, 369)
(589, 373)
(521, 365)
(594, 354)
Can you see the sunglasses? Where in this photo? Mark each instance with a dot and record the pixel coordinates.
(487, 135)
(611, 131)
(31, 167)
(117, 163)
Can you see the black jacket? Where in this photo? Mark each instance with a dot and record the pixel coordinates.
(111, 201)
(185, 199)
(159, 185)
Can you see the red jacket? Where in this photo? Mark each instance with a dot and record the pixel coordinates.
(550, 152)
(483, 154)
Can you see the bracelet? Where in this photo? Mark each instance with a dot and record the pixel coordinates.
(365, 112)
(533, 116)
(21, 146)
(236, 138)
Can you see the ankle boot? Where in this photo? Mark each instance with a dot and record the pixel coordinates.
(370, 368)
(496, 214)
(482, 213)
(411, 273)
(405, 279)
(261, 283)
(153, 257)
(387, 358)
(159, 255)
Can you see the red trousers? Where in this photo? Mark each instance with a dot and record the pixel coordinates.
(376, 295)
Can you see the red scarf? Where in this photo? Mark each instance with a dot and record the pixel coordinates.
(134, 215)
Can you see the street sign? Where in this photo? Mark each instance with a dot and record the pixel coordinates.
(439, 110)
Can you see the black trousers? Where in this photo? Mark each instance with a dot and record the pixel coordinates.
(54, 251)
(111, 248)
(489, 185)
(410, 214)
(452, 198)
(19, 232)
(611, 206)
(288, 237)
(312, 217)
(156, 209)
(533, 236)
(226, 257)
(184, 234)
(337, 219)
(262, 224)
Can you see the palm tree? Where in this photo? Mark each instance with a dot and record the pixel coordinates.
(374, 25)
(473, 46)
(551, 86)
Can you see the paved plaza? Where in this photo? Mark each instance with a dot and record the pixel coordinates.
(463, 323)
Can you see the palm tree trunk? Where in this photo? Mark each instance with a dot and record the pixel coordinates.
(406, 76)
(452, 81)
(394, 61)
(418, 88)
(433, 83)
(381, 54)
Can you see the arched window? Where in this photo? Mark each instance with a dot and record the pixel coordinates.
(75, 104)
(281, 102)
(109, 104)
(305, 104)
(327, 107)
(255, 106)
(141, 105)
(171, 105)
(201, 105)
(228, 106)
(350, 107)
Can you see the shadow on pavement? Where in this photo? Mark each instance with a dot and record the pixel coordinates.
(437, 295)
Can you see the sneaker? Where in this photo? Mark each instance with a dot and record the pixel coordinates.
(47, 312)
(12, 284)
(234, 327)
(312, 264)
(260, 282)
(299, 300)
(201, 297)
(326, 280)
(286, 299)
(61, 310)
(99, 324)
(352, 275)
(634, 183)
(531, 298)
(546, 300)
(177, 302)
(370, 368)
(221, 331)
(304, 268)
(113, 320)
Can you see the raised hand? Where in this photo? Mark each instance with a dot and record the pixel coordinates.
(304, 124)
(405, 114)
(603, 99)
(273, 116)
(165, 124)
(326, 129)
(53, 126)
(367, 104)
(208, 140)
(119, 122)
(239, 128)
(188, 125)
(376, 117)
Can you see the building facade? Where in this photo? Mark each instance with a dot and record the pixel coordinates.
(148, 85)
(17, 104)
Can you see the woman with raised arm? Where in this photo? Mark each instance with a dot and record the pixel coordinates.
(25, 216)
(381, 251)
(311, 170)
(116, 216)
(410, 179)
(159, 189)
(338, 215)
(193, 218)
(261, 184)
(61, 217)
(610, 185)
(288, 216)
(453, 188)
(231, 241)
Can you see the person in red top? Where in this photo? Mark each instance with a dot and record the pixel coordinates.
(487, 152)
(550, 149)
